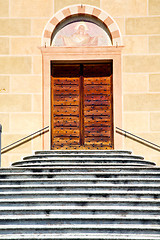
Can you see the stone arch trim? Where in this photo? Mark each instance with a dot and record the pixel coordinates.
(82, 9)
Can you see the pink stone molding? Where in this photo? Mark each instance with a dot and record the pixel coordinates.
(77, 10)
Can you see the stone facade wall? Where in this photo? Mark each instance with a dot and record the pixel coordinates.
(21, 26)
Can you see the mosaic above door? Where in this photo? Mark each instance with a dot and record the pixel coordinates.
(81, 33)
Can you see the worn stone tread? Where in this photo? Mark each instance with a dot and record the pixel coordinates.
(146, 169)
(83, 185)
(81, 236)
(78, 216)
(82, 193)
(83, 152)
(75, 156)
(68, 181)
(81, 200)
(70, 166)
(82, 226)
(103, 208)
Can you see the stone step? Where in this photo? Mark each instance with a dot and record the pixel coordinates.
(52, 210)
(77, 219)
(67, 217)
(70, 228)
(78, 202)
(82, 187)
(68, 181)
(110, 169)
(81, 236)
(82, 156)
(76, 195)
(41, 173)
(85, 169)
(55, 163)
(86, 162)
(44, 165)
(87, 152)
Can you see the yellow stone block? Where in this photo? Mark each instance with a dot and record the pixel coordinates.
(5, 160)
(135, 82)
(37, 102)
(121, 24)
(38, 26)
(31, 121)
(37, 64)
(15, 103)
(143, 25)
(26, 46)
(14, 27)
(152, 137)
(4, 45)
(154, 7)
(155, 121)
(140, 148)
(15, 65)
(4, 121)
(26, 84)
(4, 8)
(63, 3)
(30, 8)
(156, 158)
(118, 8)
(154, 82)
(142, 102)
(4, 84)
(12, 157)
(24, 147)
(140, 64)
(154, 44)
(37, 143)
(136, 122)
(135, 44)
(19, 157)
(16, 157)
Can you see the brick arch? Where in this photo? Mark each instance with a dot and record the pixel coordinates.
(82, 9)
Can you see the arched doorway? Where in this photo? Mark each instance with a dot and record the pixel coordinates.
(82, 96)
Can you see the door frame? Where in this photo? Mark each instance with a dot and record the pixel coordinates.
(98, 54)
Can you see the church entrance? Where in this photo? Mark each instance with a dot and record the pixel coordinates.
(81, 106)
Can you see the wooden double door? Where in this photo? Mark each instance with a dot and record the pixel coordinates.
(81, 106)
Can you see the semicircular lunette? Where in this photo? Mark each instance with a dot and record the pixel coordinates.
(81, 33)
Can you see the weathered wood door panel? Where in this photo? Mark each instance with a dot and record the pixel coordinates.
(98, 129)
(65, 112)
(81, 108)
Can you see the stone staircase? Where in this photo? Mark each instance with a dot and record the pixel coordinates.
(75, 195)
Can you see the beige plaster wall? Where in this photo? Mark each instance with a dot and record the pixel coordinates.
(139, 21)
(21, 26)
